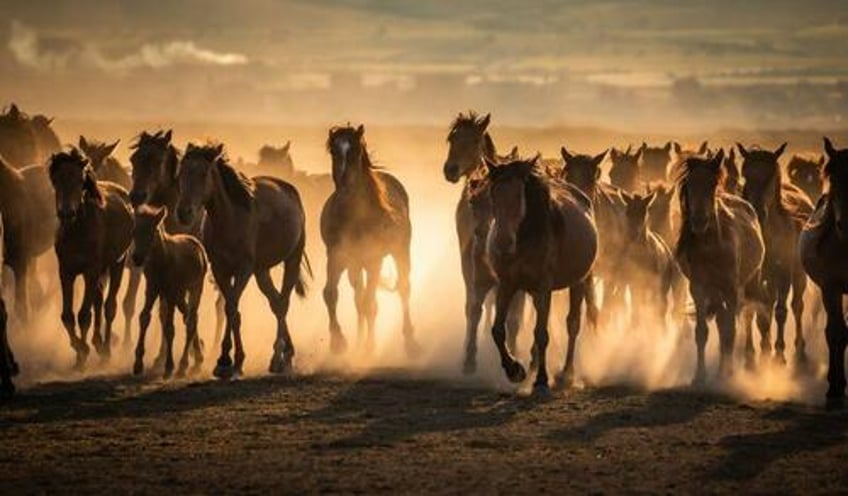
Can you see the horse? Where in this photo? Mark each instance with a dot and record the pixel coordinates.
(647, 264)
(7, 387)
(174, 268)
(469, 144)
(251, 225)
(822, 245)
(106, 167)
(663, 214)
(364, 220)
(26, 203)
(625, 172)
(782, 210)
(276, 161)
(720, 250)
(542, 239)
(655, 162)
(731, 174)
(26, 140)
(682, 153)
(94, 235)
(806, 174)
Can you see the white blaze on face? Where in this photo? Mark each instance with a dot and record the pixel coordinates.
(342, 148)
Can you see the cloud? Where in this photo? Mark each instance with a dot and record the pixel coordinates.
(44, 54)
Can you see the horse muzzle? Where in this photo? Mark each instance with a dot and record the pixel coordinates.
(138, 259)
(185, 215)
(452, 173)
(66, 214)
(137, 198)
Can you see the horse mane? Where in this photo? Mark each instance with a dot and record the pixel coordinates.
(239, 187)
(92, 190)
(461, 119)
(684, 170)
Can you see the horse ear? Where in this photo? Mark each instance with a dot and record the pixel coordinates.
(514, 152)
(704, 148)
(780, 150)
(491, 166)
(83, 143)
(821, 160)
(719, 158)
(629, 149)
(167, 135)
(829, 148)
(287, 146)
(111, 148)
(614, 153)
(14, 111)
(597, 159)
(565, 155)
(638, 153)
(360, 131)
(732, 155)
(649, 200)
(484, 122)
(219, 150)
(535, 160)
(644, 146)
(677, 148)
(742, 150)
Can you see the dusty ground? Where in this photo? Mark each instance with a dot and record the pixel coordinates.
(391, 432)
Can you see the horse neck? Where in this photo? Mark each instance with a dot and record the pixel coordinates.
(536, 224)
(365, 193)
(489, 150)
(219, 206)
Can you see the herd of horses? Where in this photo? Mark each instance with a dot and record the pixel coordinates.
(737, 235)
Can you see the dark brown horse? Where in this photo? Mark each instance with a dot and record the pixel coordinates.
(720, 250)
(782, 209)
(251, 226)
(364, 220)
(95, 232)
(655, 162)
(7, 388)
(174, 269)
(104, 164)
(469, 144)
(26, 140)
(823, 246)
(625, 172)
(26, 203)
(806, 174)
(542, 239)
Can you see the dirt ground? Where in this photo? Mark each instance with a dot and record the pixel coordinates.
(391, 432)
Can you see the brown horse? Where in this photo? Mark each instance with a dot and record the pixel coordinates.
(655, 162)
(26, 140)
(823, 245)
(647, 264)
(782, 210)
(276, 161)
(683, 153)
(469, 145)
(26, 203)
(7, 388)
(364, 220)
(104, 164)
(542, 239)
(251, 226)
(720, 250)
(95, 232)
(174, 268)
(806, 174)
(625, 172)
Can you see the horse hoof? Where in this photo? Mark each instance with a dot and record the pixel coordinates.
(168, 373)
(469, 367)
(700, 380)
(541, 390)
(138, 368)
(780, 359)
(223, 372)
(564, 380)
(515, 372)
(835, 402)
(181, 372)
(338, 344)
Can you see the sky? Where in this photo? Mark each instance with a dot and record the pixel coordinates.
(766, 63)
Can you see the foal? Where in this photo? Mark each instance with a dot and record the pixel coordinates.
(542, 239)
(95, 231)
(720, 250)
(174, 268)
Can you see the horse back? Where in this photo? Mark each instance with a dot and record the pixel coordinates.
(281, 221)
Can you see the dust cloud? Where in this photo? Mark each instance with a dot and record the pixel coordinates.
(650, 356)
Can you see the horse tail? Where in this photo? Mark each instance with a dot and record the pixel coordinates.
(304, 270)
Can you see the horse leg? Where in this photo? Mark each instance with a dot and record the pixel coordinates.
(404, 288)
(21, 270)
(97, 307)
(513, 321)
(700, 334)
(150, 296)
(110, 306)
(190, 319)
(232, 309)
(780, 313)
(591, 302)
(355, 277)
(291, 275)
(280, 357)
(542, 303)
(514, 371)
(166, 320)
(475, 296)
(576, 296)
(128, 303)
(799, 287)
(837, 338)
(338, 344)
(220, 315)
(372, 280)
(726, 323)
(84, 314)
(224, 366)
(764, 317)
(748, 321)
(7, 388)
(68, 320)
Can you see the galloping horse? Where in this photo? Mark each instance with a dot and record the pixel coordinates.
(95, 232)
(26, 204)
(26, 140)
(720, 250)
(823, 246)
(542, 239)
(782, 210)
(364, 220)
(251, 226)
(469, 145)
(655, 162)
